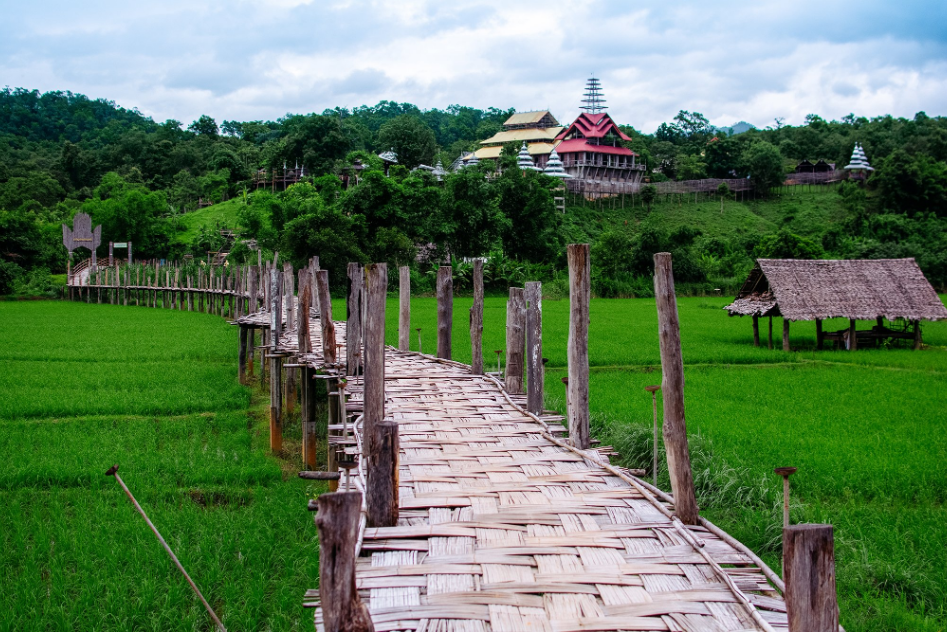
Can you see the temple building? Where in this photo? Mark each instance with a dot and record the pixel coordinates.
(537, 129)
(858, 168)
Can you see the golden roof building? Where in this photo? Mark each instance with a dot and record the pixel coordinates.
(537, 129)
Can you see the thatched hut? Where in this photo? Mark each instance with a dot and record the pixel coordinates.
(862, 289)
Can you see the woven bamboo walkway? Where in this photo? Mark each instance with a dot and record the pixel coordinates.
(504, 527)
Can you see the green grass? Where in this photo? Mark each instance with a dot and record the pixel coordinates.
(87, 386)
(865, 429)
(224, 214)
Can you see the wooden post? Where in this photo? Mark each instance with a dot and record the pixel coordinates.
(770, 333)
(819, 334)
(333, 408)
(756, 330)
(515, 340)
(276, 391)
(445, 311)
(809, 572)
(918, 338)
(337, 521)
(289, 295)
(304, 343)
(476, 320)
(382, 489)
(580, 294)
(242, 358)
(534, 347)
(672, 389)
(325, 316)
(308, 418)
(786, 322)
(376, 288)
(404, 308)
(852, 335)
(353, 322)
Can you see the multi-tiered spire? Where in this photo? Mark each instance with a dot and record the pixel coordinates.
(594, 99)
(554, 166)
(524, 160)
(859, 160)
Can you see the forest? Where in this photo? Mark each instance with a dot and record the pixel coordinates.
(63, 153)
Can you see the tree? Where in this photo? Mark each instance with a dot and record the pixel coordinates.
(649, 194)
(787, 245)
(912, 184)
(691, 168)
(410, 138)
(765, 165)
(204, 126)
(532, 227)
(471, 220)
(723, 192)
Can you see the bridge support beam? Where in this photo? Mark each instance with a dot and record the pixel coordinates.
(534, 348)
(337, 521)
(445, 311)
(580, 294)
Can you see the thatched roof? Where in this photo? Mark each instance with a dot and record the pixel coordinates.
(863, 289)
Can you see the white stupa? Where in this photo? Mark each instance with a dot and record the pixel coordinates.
(439, 172)
(554, 166)
(525, 161)
(473, 160)
(859, 160)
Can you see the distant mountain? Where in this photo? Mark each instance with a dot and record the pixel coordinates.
(737, 128)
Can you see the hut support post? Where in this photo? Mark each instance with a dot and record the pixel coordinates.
(852, 336)
(476, 320)
(809, 571)
(337, 521)
(404, 308)
(819, 334)
(756, 330)
(534, 348)
(515, 340)
(786, 322)
(445, 311)
(771, 333)
(918, 339)
(672, 388)
(578, 350)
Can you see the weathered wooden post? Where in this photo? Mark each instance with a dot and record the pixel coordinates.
(672, 388)
(334, 407)
(770, 333)
(353, 321)
(276, 322)
(289, 295)
(382, 493)
(242, 360)
(476, 320)
(337, 521)
(404, 308)
(376, 287)
(852, 335)
(580, 294)
(515, 340)
(535, 380)
(325, 316)
(756, 330)
(809, 572)
(918, 339)
(786, 322)
(445, 311)
(819, 334)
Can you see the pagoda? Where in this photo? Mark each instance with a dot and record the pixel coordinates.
(554, 166)
(591, 147)
(858, 168)
(524, 161)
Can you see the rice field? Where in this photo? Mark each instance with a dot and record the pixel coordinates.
(87, 386)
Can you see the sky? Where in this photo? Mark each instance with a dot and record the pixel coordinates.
(261, 59)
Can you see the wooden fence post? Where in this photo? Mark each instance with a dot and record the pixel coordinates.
(382, 493)
(376, 288)
(476, 320)
(809, 572)
(580, 293)
(333, 394)
(289, 295)
(337, 521)
(308, 419)
(672, 388)
(786, 322)
(325, 316)
(534, 347)
(445, 311)
(515, 340)
(353, 322)
(304, 342)
(404, 308)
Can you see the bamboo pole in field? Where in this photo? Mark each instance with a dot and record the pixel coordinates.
(476, 320)
(535, 380)
(404, 308)
(672, 388)
(580, 293)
